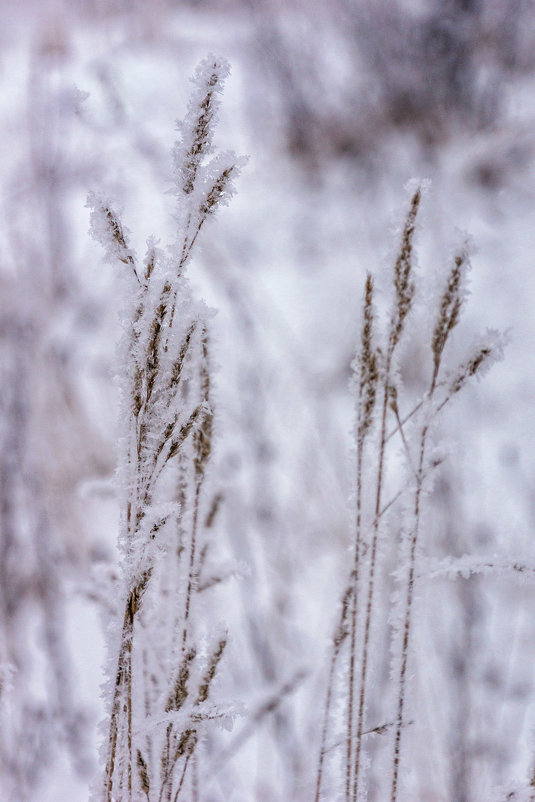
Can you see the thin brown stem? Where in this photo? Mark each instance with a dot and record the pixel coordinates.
(337, 643)
(121, 699)
(371, 579)
(402, 681)
(182, 777)
(192, 575)
(404, 439)
(353, 631)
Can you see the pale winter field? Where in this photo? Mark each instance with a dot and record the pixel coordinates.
(267, 478)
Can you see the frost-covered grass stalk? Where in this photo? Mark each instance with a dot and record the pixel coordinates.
(387, 418)
(161, 670)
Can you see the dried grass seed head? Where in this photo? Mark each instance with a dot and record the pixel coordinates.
(403, 272)
(215, 658)
(178, 364)
(218, 177)
(180, 691)
(485, 353)
(366, 362)
(143, 773)
(153, 257)
(106, 228)
(342, 630)
(450, 304)
(202, 438)
(197, 129)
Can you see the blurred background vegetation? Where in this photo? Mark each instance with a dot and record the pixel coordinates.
(338, 103)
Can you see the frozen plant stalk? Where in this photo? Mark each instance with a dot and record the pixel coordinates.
(387, 419)
(160, 677)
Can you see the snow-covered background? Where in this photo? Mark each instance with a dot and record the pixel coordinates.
(337, 104)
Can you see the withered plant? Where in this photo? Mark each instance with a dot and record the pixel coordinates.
(389, 525)
(161, 669)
